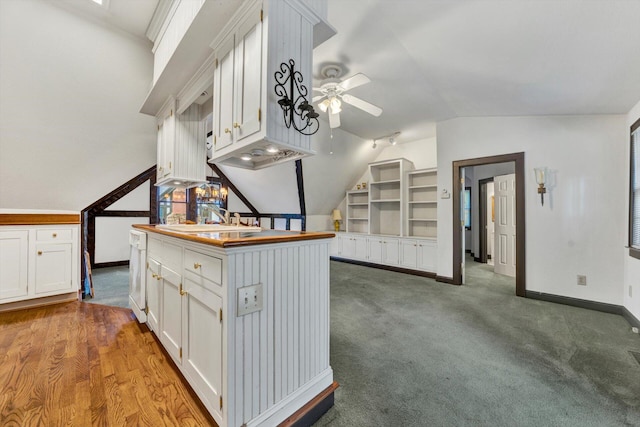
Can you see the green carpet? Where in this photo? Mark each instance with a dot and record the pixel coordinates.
(408, 351)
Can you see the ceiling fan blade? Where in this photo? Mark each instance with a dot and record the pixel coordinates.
(317, 89)
(362, 104)
(334, 120)
(354, 81)
(317, 98)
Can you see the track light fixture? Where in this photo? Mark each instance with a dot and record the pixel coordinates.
(391, 138)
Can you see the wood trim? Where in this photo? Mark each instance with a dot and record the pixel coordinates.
(312, 410)
(303, 206)
(633, 320)
(447, 280)
(483, 238)
(38, 219)
(233, 188)
(110, 264)
(633, 252)
(576, 302)
(385, 267)
(518, 158)
(125, 214)
(115, 195)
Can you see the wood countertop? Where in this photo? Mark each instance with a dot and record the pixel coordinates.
(33, 218)
(231, 239)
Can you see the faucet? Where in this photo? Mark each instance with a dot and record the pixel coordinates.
(223, 214)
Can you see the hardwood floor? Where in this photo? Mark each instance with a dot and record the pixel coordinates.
(78, 364)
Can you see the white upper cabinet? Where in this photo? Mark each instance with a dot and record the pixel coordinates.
(181, 147)
(248, 42)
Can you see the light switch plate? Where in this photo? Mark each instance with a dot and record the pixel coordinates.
(249, 299)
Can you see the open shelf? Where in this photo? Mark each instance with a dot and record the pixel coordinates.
(422, 203)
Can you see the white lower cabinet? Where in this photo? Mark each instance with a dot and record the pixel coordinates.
(171, 307)
(153, 295)
(409, 253)
(14, 247)
(38, 261)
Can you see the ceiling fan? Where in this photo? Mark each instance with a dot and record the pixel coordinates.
(332, 89)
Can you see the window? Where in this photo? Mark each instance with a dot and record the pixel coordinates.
(467, 208)
(172, 201)
(195, 204)
(634, 192)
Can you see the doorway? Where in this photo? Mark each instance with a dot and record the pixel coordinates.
(485, 235)
(458, 166)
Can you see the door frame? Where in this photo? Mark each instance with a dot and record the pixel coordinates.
(483, 238)
(518, 159)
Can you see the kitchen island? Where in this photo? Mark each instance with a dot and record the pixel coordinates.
(245, 317)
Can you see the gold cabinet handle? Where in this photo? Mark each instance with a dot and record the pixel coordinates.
(236, 125)
(182, 291)
(227, 130)
(39, 252)
(154, 275)
(197, 265)
(158, 277)
(55, 235)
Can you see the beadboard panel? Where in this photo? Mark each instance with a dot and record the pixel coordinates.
(289, 36)
(190, 144)
(285, 346)
(178, 24)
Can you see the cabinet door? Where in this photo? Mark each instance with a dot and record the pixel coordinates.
(53, 267)
(13, 263)
(409, 249)
(348, 247)
(166, 141)
(248, 73)
(360, 247)
(153, 295)
(171, 323)
(391, 252)
(202, 351)
(334, 246)
(427, 256)
(375, 249)
(223, 95)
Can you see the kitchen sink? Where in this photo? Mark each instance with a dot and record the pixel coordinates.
(206, 228)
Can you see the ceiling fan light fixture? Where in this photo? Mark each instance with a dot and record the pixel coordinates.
(324, 105)
(335, 105)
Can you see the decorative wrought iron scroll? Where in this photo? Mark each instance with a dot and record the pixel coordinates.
(296, 109)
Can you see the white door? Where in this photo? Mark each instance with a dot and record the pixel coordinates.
(248, 73)
(409, 253)
(223, 95)
(505, 224)
(463, 239)
(137, 274)
(53, 267)
(171, 323)
(490, 223)
(14, 248)
(153, 296)
(202, 353)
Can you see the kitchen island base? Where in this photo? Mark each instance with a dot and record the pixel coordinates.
(256, 369)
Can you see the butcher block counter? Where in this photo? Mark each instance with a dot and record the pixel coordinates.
(245, 317)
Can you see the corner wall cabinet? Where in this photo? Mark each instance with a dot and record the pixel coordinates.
(181, 149)
(394, 221)
(38, 261)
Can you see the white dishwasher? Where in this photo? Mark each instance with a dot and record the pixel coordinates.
(137, 274)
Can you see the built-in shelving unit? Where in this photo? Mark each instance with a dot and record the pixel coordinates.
(358, 211)
(422, 203)
(385, 196)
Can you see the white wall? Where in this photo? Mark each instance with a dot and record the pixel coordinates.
(631, 265)
(70, 88)
(576, 231)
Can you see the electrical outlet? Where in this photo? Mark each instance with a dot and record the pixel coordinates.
(249, 299)
(582, 280)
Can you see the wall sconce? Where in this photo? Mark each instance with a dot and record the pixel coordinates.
(296, 110)
(541, 179)
(336, 216)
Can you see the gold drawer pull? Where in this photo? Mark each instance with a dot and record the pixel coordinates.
(236, 125)
(227, 130)
(158, 277)
(55, 235)
(182, 291)
(197, 265)
(39, 252)
(154, 275)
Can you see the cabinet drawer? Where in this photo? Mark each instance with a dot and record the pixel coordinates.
(154, 248)
(53, 234)
(203, 265)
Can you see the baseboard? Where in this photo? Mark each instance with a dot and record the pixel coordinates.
(385, 267)
(633, 320)
(110, 264)
(576, 302)
(476, 259)
(312, 411)
(444, 279)
(39, 302)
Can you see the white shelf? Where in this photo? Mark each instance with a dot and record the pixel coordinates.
(425, 202)
(413, 187)
(386, 201)
(422, 203)
(358, 204)
(358, 219)
(389, 181)
(424, 219)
